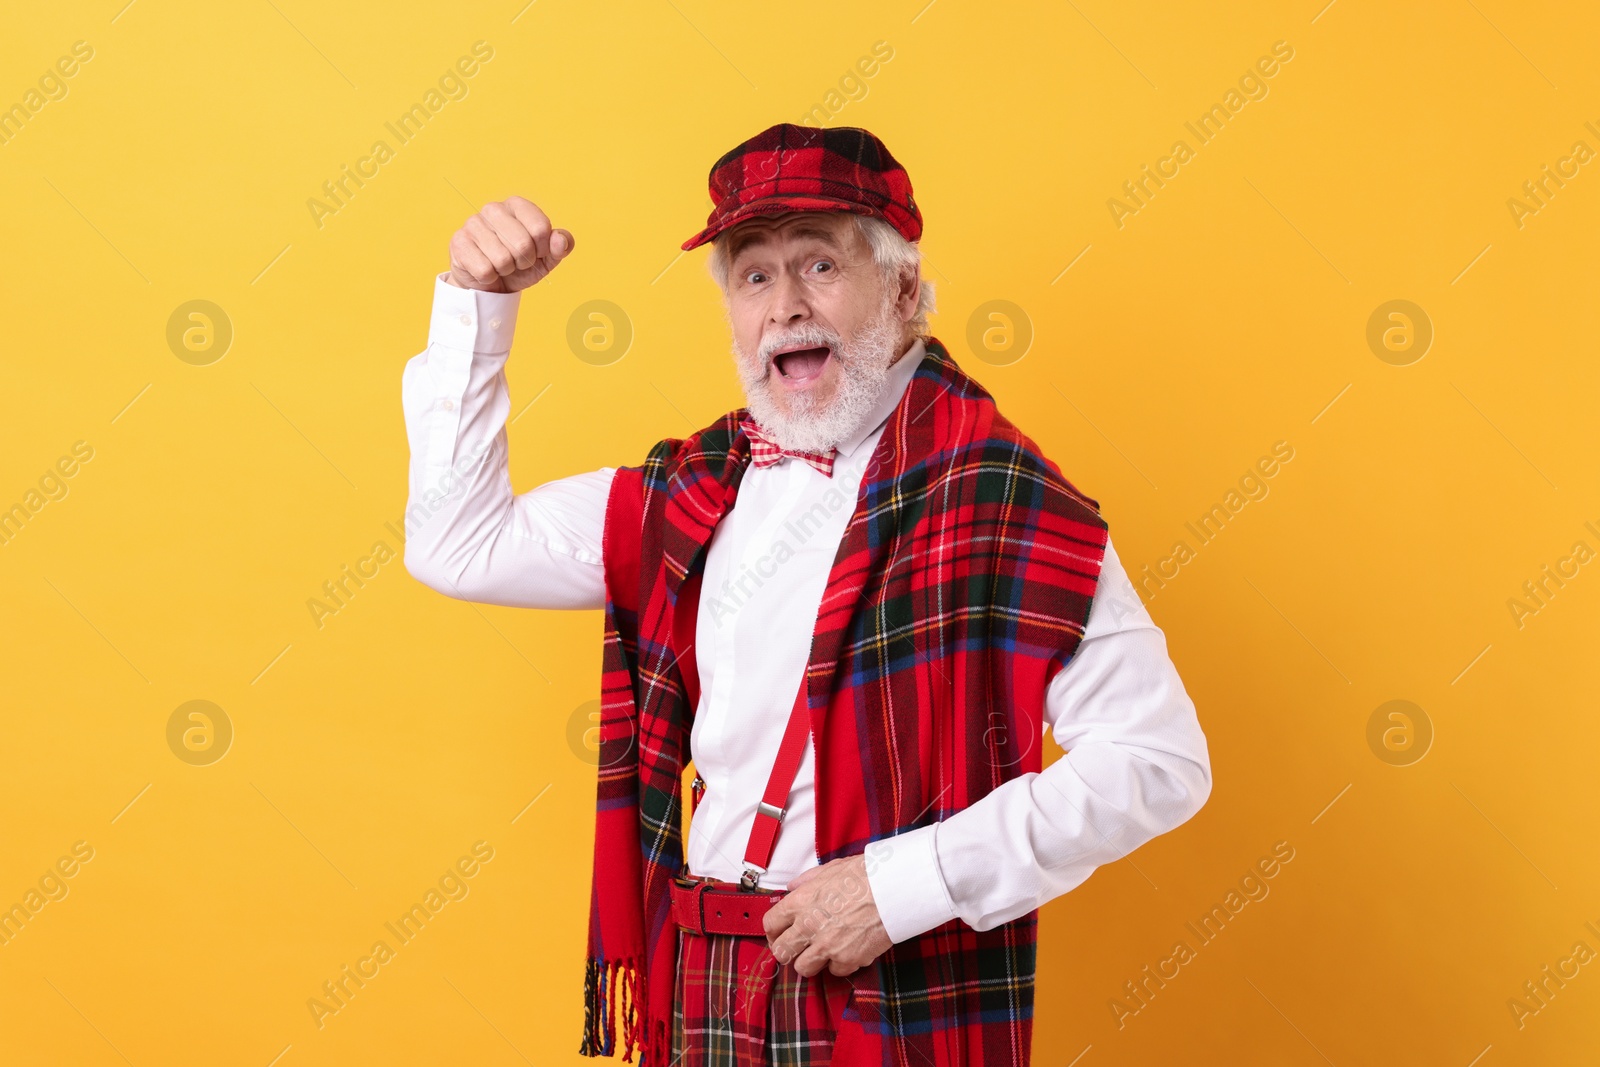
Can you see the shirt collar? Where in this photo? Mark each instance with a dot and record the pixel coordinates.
(894, 387)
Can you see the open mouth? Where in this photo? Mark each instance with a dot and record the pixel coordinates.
(801, 365)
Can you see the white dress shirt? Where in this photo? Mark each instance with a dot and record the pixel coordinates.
(1136, 763)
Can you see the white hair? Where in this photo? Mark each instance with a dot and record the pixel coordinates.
(894, 255)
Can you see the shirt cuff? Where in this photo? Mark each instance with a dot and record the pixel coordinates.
(470, 320)
(907, 886)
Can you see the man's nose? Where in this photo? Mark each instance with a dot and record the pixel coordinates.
(789, 304)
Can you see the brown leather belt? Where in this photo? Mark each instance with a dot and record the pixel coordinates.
(707, 906)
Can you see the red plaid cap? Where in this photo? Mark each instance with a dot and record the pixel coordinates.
(804, 168)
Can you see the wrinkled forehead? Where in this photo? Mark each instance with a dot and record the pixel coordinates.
(831, 228)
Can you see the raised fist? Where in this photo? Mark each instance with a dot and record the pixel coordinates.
(506, 247)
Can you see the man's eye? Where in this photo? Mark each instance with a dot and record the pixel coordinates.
(823, 264)
(753, 277)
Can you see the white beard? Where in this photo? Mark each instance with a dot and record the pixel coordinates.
(863, 369)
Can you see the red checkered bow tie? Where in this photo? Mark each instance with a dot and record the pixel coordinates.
(764, 451)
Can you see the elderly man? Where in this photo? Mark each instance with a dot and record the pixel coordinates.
(857, 603)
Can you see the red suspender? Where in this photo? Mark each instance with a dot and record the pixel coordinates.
(791, 750)
(769, 813)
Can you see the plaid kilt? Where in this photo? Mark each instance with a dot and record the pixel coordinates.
(735, 1006)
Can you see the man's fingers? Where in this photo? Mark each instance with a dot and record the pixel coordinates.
(507, 246)
(819, 953)
(843, 965)
(513, 235)
(778, 919)
(491, 246)
(466, 257)
(536, 222)
(800, 935)
(812, 960)
(790, 938)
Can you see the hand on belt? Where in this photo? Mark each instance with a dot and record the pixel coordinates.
(707, 906)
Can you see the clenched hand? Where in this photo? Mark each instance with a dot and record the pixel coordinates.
(506, 247)
(828, 919)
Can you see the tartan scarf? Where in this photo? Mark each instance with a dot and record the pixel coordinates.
(961, 585)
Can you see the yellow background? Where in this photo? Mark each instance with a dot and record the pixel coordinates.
(1226, 315)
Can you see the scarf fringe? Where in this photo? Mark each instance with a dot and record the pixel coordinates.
(610, 994)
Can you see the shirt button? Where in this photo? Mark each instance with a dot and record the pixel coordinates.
(466, 320)
(494, 324)
(447, 404)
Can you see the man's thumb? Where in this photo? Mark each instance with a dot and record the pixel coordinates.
(561, 243)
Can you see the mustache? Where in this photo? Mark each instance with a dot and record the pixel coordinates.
(809, 334)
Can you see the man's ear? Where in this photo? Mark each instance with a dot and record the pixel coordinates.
(910, 289)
